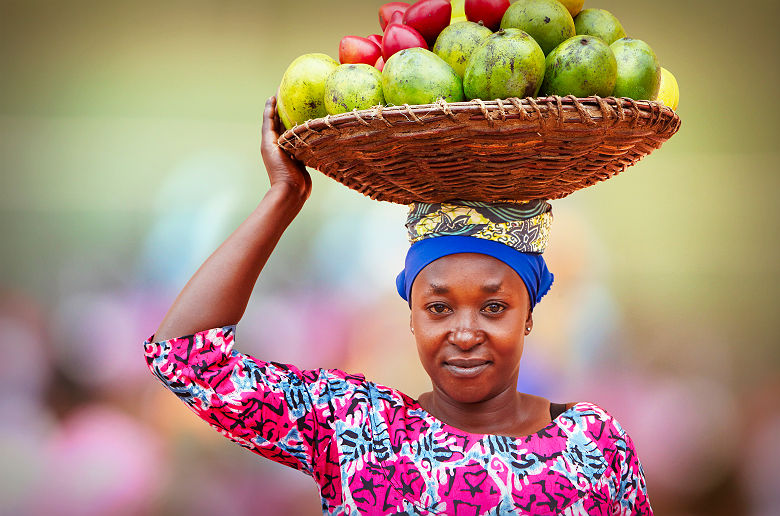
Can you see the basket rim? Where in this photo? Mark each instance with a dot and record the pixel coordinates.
(525, 107)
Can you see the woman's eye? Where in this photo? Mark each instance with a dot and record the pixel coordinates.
(494, 308)
(438, 308)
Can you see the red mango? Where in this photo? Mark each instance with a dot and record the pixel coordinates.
(489, 11)
(429, 18)
(396, 17)
(398, 37)
(376, 38)
(354, 49)
(387, 10)
(380, 63)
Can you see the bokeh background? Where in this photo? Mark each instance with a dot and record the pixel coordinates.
(129, 149)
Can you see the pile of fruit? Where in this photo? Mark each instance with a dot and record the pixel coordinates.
(476, 49)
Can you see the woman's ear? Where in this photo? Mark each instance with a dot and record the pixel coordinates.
(411, 328)
(529, 322)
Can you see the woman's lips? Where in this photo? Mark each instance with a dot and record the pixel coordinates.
(466, 367)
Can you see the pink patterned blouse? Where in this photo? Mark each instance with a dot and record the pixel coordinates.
(373, 450)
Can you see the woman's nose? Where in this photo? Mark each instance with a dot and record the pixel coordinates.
(466, 335)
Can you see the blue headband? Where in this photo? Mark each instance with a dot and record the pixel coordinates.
(531, 267)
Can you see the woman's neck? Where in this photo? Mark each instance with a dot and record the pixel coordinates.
(508, 413)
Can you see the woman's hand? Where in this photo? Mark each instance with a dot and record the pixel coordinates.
(283, 170)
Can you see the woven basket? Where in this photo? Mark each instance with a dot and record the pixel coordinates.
(543, 148)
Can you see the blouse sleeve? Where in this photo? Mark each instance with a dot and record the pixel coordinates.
(274, 410)
(632, 489)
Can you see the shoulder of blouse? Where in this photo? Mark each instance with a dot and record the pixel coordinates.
(598, 422)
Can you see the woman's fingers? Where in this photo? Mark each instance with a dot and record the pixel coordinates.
(280, 166)
(269, 131)
(268, 118)
(275, 123)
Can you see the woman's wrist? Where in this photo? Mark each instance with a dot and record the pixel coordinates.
(290, 191)
(287, 197)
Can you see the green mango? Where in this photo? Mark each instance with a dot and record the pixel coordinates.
(302, 89)
(283, 116)
(638, 70)
(599, 23)
(458, 41)
(418, 76)
(353, 86)
(547, 21)
(507, 64)
(581, 66)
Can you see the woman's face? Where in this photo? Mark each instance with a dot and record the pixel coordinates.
(469, 317)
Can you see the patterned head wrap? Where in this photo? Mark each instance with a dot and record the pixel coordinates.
(514, 232)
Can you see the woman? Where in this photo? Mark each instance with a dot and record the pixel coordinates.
(473, 445)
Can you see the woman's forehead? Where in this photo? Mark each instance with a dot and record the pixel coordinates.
(473, 268)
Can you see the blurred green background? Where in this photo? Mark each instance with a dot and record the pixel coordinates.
(129, 148)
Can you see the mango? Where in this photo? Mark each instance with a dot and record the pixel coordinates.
(507, 64)
(547, 21)
(638, 71)
(353, 86)
(418, 76)
(457, 42)
(600, 23)
(458, 8)
(303, 88)
(573, 6)
(581, 66)
(669, 90)
(282, 111)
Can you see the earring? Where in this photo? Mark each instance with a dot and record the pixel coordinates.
(528, 329)
(412, 329)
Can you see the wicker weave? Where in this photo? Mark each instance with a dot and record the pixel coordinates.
(544, 148)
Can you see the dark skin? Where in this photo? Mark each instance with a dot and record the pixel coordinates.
(470, 314)
(486, 307)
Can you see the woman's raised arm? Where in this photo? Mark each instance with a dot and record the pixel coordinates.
(218, 293)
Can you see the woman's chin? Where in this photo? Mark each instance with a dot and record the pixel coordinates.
(466, 395)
